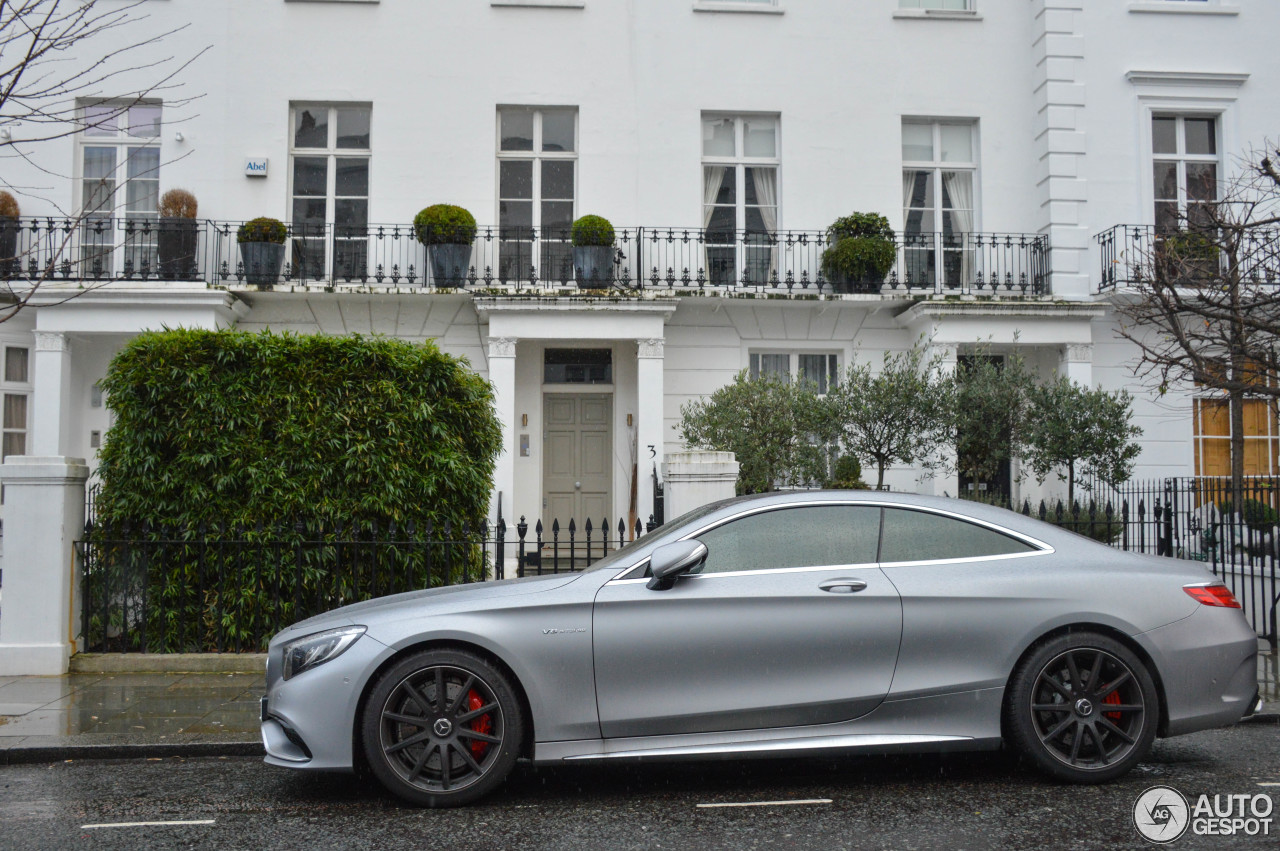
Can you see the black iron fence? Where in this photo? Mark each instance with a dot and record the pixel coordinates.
(1129, 255)
(103, 249)
(231, 589)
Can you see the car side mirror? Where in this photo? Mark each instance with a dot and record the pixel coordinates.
(672, 560)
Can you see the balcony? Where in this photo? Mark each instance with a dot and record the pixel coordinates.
(669, 260)
(1130, 255)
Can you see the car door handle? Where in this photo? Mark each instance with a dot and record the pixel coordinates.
(843, 586)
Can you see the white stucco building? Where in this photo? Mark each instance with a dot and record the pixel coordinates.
(1005, 140)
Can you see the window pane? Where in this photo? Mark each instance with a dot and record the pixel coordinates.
(920, 536)
(311, 127)
(557, 129)
(760, 137)
(728, 178)
(144, 120)
(310, 176)
(15, 364)
(1167, 216)
(99, 163)
(1166, 181)
(917, 142)
(15, 411)
(141, 196)
(1202, 182)
(957, 190)
(794, 537)
(15, 443)
(353, 126)
(557, 179)
(143, 162)
(723, 220)
(717, 137)
(308, 211)
(957, 143)
(515, 179)
(778, 366)
(516, 129)
(814, 368)
(100, 120)
(352, 213)
(557, 217)
(1164, 135)
(353, 176)
(515, 214)
(1201, 138)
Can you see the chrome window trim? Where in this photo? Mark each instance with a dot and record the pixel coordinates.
(1041, 548)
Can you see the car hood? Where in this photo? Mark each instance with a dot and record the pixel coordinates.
(467, 594)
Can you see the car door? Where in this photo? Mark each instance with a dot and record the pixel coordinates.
(788, 622)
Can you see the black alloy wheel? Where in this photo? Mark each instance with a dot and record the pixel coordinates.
(1083, 708)
(442, 728)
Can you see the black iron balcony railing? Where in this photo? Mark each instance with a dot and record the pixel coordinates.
(518, 259)
(1132, 255)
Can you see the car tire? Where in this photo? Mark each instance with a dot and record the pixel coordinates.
(1082, 708)
(442, 728)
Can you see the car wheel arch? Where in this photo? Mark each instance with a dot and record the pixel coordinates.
(357, 745)
(1111, 632)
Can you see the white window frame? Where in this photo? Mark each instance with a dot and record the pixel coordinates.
(16, 388)
(1181, 158)
(918, 10)
(758, 7)
(740, 162)
(834, 359)
(536, 156)
(332, 153)
(937, 166)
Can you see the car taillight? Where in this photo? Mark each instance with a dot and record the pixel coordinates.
(1214, 594)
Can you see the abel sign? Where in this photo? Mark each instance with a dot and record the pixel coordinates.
(255, 167)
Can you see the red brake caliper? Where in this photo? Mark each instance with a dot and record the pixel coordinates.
(484, 724)
(1113, 698)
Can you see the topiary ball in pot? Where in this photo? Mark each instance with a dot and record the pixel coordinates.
(9, 228)
(447, 231)
(862, 249)
(262, 249)
(177, 235)
(592, 252)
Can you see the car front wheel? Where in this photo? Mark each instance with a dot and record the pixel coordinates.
(1082, 708)
(441, 728)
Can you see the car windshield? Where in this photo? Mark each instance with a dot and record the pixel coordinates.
(666, 532)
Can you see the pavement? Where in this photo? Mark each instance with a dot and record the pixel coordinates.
(117, 707)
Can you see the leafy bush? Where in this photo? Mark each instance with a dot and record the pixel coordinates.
(9, 206)
(847, 474)
(862, 248)
(231, 430)
(262, 229)
(180, 204)
(444, 224)
(592, 230)
(1258, 516)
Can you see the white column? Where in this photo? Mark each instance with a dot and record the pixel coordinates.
(649, 422)
(697, 478)
(1077, 363)
(44, 516)
(502, 374)
(947, 479)
(51, 417)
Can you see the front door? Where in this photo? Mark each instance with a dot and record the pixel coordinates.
(576, 474)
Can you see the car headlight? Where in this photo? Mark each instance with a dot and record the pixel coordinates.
(318, 648)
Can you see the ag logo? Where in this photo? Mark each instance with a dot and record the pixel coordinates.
(1161, 814)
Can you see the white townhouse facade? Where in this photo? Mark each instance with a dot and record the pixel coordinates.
(1014, 145)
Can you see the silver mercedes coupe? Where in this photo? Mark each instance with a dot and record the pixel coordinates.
(786, 624)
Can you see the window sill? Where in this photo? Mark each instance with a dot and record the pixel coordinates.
(541, 4)
(333, 1)
(1181, 7)
(745, 8)
(935, 15)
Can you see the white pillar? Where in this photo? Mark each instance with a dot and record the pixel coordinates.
(502, 374)
(44, 516)
(649, 422)
(51, 417)
(947, 478)
(1077, 363)
(697, 478)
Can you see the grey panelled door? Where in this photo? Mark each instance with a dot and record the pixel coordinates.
(576, 448)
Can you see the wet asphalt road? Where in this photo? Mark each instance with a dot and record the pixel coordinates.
(954, 802)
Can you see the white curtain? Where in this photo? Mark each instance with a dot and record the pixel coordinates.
(915, 257)
(959, 185)
(712, 177)
(766, 180)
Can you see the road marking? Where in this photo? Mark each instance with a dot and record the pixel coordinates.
(768, 803)
(147, 824)
(1269, 784)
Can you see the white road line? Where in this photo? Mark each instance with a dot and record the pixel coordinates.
(768, 803)
(1269, 784)
(147, 824)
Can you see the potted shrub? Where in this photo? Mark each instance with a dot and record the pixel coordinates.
(447, 231)
(262, 249)
(592, 252)
(176, 235)
(861, 250)
(9, 227)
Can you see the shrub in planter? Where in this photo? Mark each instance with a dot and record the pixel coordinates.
(848, 474)
(592, 252)
(262, 249)
(447, 231)
(177, 237)
(861, 251)
(9, 228)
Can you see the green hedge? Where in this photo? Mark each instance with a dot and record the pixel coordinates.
(232, 430)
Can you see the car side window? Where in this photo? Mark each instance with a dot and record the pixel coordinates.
(923, 536)
(803, 536)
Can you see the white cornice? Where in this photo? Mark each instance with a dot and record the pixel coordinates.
(486, 306)
(1210, 79)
